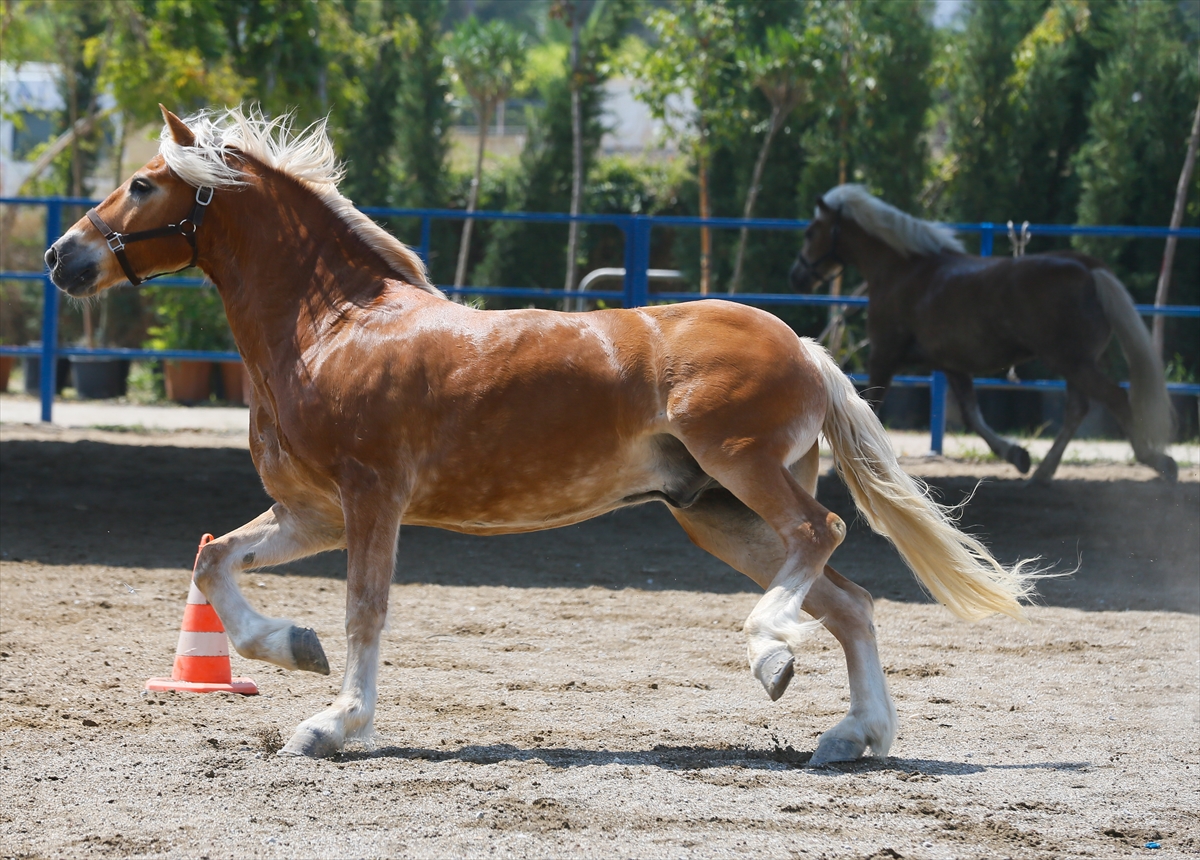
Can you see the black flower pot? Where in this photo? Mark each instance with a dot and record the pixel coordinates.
(98, 378)
(31, 365)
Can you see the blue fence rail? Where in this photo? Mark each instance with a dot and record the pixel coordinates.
(635, 293)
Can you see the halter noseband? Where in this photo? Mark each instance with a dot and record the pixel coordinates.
(811, 268)
(185, 228)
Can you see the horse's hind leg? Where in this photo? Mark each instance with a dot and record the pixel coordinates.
(273, 538)
(725, 527)
(1073, 415)
(964, 392)
(809, 533)
(1099, 387)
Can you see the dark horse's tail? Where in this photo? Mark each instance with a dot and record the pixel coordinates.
(1153, 420)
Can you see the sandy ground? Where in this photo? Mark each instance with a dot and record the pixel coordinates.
(583, 692)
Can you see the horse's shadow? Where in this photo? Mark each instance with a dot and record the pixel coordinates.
(686, 758)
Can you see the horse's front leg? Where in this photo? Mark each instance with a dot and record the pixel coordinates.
(1073, 415)
(372, 527)
(275, 537)
(964, 392)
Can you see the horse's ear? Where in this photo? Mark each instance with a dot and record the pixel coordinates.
(180, 133)
(822, 205)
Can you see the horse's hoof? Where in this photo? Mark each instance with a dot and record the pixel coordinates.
(775, 672)
(1019, 457)
(310, 743)
(1168, 468)
(307, 651)
(1040, 479)
(831, 750)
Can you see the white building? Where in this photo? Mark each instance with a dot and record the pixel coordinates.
(31, 106)
(29, 100)
(629, 126)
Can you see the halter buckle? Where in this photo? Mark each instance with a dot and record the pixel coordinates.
(206, 200)
(115, 244)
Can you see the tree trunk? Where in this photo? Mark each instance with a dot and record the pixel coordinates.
(119, 150)
(705, 231)
(464, 245)
(576, 163)
(1164, 275)
(752, 195)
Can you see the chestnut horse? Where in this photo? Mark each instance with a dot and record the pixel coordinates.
(966, 316)
(376, 402)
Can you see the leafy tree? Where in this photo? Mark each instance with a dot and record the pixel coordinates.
(782, 70)
(688, 81)
(1139, 123)
(425, 111)
(373, 123)
(487, 61)
(981, 112)
(286, 50)
(1048, 93)
(172, 52)
(890, 133)
(547, 164)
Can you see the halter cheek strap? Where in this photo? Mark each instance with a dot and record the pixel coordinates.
(185, 228)
(831, 254)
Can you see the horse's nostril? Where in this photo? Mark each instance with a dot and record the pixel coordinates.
(51, 258)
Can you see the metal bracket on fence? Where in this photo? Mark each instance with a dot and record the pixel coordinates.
(618, 274)
(1019, 241)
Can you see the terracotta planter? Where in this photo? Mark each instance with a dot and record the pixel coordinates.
(236, 381)
(7, 362)
(188, 381)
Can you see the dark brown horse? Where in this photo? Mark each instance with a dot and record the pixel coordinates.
(969, 316)
(378, 402)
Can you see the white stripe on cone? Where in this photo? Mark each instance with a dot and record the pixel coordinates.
(193, 644)
(196, 596)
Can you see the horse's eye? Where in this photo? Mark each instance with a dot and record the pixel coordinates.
(139, 186)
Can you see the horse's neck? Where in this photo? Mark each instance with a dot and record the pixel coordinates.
(875, 259)
(284, 265)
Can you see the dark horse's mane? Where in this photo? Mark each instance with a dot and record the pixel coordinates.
(307, 157)
(903, 232)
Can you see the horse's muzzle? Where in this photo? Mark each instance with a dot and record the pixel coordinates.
(73, 267)
(800, 276)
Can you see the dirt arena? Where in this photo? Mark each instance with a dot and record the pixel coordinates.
(584, 692)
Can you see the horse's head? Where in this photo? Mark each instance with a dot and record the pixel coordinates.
(145, 228)
(818, 261)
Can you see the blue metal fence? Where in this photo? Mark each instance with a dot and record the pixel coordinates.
(636, 291)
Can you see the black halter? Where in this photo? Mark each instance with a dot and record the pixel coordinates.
(811, 269)
(185, 228)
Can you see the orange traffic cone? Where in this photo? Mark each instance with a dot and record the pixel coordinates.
(202, 656)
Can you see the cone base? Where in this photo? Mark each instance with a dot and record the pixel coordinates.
(245, 686)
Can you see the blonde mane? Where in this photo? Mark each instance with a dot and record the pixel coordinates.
(903, 232)
(306, 156)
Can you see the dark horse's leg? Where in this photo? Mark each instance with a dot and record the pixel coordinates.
(1096, 385)
(1073, 415)
(964, 392)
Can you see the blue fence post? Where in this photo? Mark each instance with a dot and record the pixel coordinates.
(986, 239)
(49, 369)
(937, 412)
(426, 226)
(637, 261)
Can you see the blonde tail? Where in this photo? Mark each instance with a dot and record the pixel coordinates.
(954, 567)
